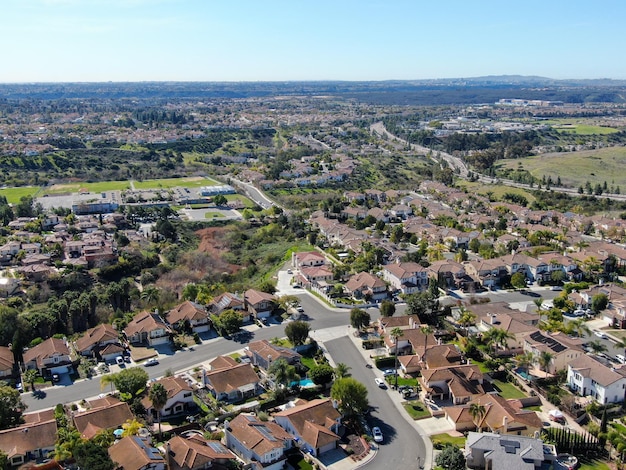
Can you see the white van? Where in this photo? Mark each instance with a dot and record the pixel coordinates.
(620, 358)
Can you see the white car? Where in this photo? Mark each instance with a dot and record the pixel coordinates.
(600, 334)
(151, 362)
(380, 382)
(377, 433)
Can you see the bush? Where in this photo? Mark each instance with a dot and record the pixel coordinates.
(385, 362)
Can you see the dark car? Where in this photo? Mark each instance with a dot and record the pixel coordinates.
(56, 377)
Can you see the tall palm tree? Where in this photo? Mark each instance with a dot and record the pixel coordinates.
(342, 370)
(477, 412)
(466, 318)
(544, 360)
(29, 376)
(426, 330)
(151, 295)
(578, 327)
(283, 373)
(524, 361)
(497, 337)
(108, 379)
(597, 347)
(158, 397)
(395, 334)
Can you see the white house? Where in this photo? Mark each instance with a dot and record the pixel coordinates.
(588, 377)
(406, 277)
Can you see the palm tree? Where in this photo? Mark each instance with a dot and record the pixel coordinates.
(579, 327)
(131, 427)
(466, 318)
(597, 347)
(524, 361)
(283, 373)
(544, 360)
(477, 412)
(426, 330)
(342, 370)
(151, 295)
(29, 377)
(395, 334)
(497, 337)
(108, 379)
(158, 397)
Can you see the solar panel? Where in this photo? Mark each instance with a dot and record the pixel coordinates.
(266, 434)
(217, 447)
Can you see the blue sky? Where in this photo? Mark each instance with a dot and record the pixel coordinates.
(276, 40)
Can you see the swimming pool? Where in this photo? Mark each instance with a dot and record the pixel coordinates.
(303, 383)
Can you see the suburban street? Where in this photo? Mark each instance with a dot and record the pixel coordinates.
(402, 445)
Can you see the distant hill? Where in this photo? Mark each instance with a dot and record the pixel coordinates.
(473, 90)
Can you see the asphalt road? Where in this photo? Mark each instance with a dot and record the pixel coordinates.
(319, 315)
(402, 444)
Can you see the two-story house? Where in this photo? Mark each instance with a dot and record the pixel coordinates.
(495, 451)
(233, 382)
(136, 453)
(104, 413)
(95, 339)
(30, 441)
(179, 397)
(259, 304)
(261, 441)
(562, 348)
(7, 363)
(366, 285)
(407, 278)
(192, 314)
(50, 357)
(194, 452)
(262, 353)
(588, 377)
(147, 327)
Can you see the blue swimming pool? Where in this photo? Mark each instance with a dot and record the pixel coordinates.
(303, 383)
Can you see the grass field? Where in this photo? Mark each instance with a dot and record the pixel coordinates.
(416, 409)
(213, 215)
(575, 168)
(444, 439)
(91, 187)
(166, 183)
(14, 195)
(508, 390)
(579, 127)
(496, 191)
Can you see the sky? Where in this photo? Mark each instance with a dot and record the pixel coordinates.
(293, 40)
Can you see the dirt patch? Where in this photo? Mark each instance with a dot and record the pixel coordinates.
(213, 241)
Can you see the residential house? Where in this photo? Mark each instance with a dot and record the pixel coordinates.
(262, 353)
(489, 273)
(233, 383)
(95, 339)
(192, 314)
(315, 424)
(105, 414)
(366, 285)
(501, 416)
(458, 383)
(147, 327)
(50, 357)
(406, 277)
(136, 453)
(505, 452)
(588, 377)
(562, 348)
(259, 304)
(30, 441)
(179, 397)
(197, 453)
(307, 259)
(449, 273)
(7, 363)
(254, 441)
(226, 301)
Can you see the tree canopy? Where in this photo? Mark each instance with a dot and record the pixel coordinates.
(359, 318)
(351, 396)
(297, 332)
(131, 380)
(11, 407)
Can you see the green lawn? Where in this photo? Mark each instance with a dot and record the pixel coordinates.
(91, 187)
(308, 362)
(444, 439)
(593, 465)
(166, 183)
(416, 409)
(14, 195)
(508, 390)
(213, 215)
(579, 127)
(248, 203)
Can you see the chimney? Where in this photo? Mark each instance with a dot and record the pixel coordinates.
(505, 424)
(492, 318)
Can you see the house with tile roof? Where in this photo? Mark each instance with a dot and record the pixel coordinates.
(506, 452)
(366, 285)
(29, 441)
(458, 383)
(179, 397)
(501, 416)
(148, 328)
(136, 453)
(225, 301)
(192, 314)
(95, 339)
(197, 453)
(7, 363)
(563, 348)
(50, 357)
(254, 441)
(406, 277)
(262, 353)
(588, 377)
(315, 425)
(233, 383)
(259, 304)
(107, 415)
(307, 259)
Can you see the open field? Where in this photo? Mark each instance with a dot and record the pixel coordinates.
(579, 127)
(497, 191)
(191, 182)
(91, 187)
(14, 195)
(444, 439)
(575, 168)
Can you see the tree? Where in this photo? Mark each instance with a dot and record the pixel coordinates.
(578, 327)
(29, 376)
(518, 280)
(544, 360)
(359, 318)
(158, 398)
(92, 456)
(220, 200)
(288, 301)
(599, 302)
(131, 427)
(466, 318)
(228, 322)
(322, 374)
(387, 308)
(524, 361)
(597, 347)
(106, 380)
(450, 458)
(497, 337)
(11, 407)
(351, 395)
(4, 461)
(426, 331)
(67, 440)
(477, 412)
(396, 333)
(131, 380)
(283, 373)
(297, 332)
(342, 370)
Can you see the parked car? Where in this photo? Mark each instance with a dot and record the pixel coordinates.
(389, 372)
(556, 288)
(377, 433)
(620, 358)
(151, 362)
(119, 360)
(380, 382)
(600, 334)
